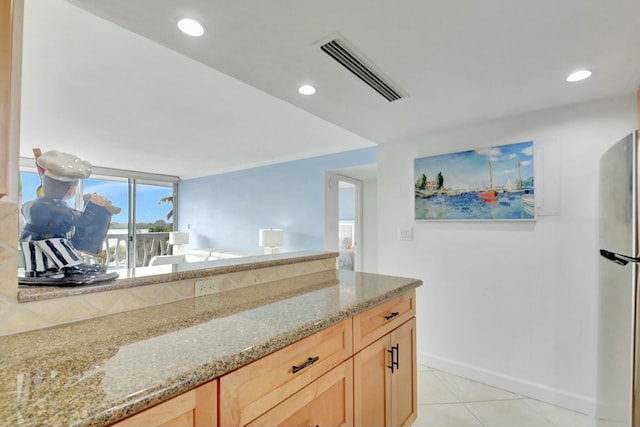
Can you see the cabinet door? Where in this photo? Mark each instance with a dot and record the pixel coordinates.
(197, 408)
(327, 401)
(372, 384)
(384, 396)
(403, 380)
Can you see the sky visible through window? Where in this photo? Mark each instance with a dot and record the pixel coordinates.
(148, 196)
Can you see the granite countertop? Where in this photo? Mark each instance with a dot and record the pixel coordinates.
(95, 372)
(141, 276)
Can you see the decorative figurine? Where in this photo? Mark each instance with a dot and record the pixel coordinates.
(54, 233)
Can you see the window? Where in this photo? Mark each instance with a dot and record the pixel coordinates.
(154, 213)
(140, 230)
(115, 250)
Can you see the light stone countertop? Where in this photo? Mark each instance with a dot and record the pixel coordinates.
(95, 372)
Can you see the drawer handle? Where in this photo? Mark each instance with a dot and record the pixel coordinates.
(391, 316)
(310, 361)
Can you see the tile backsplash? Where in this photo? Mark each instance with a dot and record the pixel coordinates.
(8, 249)
(19, 317)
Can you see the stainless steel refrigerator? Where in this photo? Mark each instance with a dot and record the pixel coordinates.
(618, 338)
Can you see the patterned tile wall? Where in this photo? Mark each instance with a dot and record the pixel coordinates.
(8, 248)
(19, 317)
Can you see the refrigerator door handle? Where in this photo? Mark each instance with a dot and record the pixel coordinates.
(618, 258)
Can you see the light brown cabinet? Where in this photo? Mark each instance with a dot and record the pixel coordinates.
(324, 402)
(317, 381)
(376, 386)
(381, 319)
(404, 391)
(254, 389)
(384, 376)
(197, 408)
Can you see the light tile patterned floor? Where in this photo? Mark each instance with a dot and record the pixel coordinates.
(446, 400)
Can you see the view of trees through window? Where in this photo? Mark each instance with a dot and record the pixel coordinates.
(151, 220)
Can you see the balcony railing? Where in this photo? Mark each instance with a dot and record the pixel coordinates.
(115, 253)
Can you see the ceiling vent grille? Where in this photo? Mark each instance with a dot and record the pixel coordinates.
(362, 71)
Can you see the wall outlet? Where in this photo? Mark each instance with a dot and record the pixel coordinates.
(405, 234)
(206, 287)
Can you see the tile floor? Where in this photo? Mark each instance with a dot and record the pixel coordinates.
(446, 400)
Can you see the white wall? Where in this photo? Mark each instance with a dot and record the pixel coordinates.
(369, 239)
(511, 304)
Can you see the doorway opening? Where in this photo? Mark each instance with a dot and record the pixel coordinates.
(343, 220)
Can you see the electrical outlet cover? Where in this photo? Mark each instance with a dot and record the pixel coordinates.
(405, 234)
(206, 287)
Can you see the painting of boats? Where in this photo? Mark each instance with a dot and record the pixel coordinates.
(494, 183)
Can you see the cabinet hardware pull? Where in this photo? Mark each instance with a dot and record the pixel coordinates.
(391, 316)
(395, 358)
(392, 361)
(309, 361)
(397, 361)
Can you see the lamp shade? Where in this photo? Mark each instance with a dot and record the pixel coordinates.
(179, 238)
(270, 237)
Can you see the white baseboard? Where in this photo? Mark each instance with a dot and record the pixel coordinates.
(562, 398)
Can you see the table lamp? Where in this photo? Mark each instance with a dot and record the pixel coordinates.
(270, 239)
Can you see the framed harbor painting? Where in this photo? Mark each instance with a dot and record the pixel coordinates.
(494, 183)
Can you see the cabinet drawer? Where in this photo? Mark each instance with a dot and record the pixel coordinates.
(255, 388)
(325, 402)
(197, 407)
(378, 321)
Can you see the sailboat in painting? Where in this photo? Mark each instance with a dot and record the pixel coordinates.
(526, 197)
(490, 196)
(528, 203)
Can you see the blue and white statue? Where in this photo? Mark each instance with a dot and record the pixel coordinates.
(54, 233)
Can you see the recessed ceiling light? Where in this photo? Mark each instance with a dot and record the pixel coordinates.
(191, 27)
(307, 90)
(579, 75)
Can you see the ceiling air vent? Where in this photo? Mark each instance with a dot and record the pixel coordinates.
(338, 52)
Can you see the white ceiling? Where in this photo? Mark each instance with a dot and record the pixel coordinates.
(228, 100)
